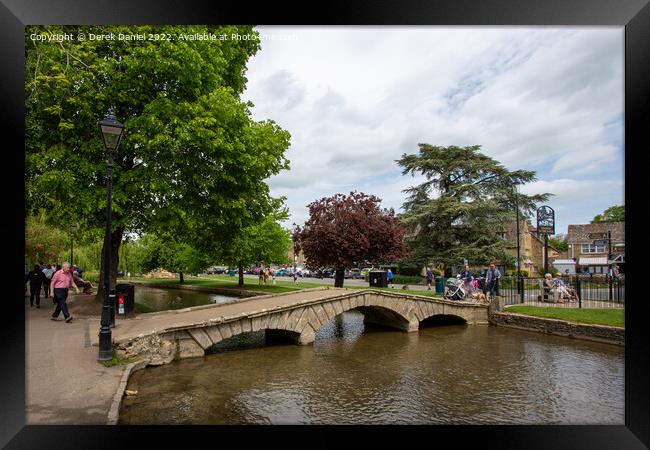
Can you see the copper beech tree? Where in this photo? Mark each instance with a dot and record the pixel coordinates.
(345, 230)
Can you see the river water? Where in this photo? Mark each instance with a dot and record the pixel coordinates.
(354, 374)
(159, 299)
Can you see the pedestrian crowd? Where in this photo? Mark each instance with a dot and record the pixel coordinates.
(55, 281)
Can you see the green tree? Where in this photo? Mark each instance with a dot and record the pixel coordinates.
(43, 242)
(192, 162)
(466, 200)
(266, 242)
(614, 213)
(559, 242)
(162, 252)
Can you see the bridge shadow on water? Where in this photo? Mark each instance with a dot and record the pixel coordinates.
(442, 320)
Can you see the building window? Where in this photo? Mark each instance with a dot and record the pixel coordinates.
(591, 248)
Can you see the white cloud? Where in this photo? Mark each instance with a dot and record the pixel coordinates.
(356, 98)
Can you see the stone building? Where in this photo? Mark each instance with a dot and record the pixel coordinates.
(593, 256)
(531, 246)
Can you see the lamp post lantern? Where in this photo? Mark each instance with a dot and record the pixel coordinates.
(73, 230)
(111, 131)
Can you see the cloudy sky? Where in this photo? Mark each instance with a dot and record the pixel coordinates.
(548, 99)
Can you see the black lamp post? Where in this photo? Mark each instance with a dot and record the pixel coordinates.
(73, 230)
(112, 131)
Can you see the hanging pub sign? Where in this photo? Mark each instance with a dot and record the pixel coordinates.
(545, 220)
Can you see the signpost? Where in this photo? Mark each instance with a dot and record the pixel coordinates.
(545, 226)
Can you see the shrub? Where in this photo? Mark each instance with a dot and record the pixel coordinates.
(405, 279)
(412, 270)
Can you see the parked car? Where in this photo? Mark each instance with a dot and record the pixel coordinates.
(329, 273)
(282, 273)
(355, 274)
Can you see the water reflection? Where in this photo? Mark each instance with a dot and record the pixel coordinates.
(160, 299)
(356, 374)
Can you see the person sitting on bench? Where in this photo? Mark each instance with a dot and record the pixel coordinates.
(86, 285)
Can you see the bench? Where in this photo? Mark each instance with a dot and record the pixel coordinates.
(549, 293)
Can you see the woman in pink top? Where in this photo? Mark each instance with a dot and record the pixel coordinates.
(61, 282)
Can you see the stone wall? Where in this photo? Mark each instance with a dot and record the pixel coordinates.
(600, 333)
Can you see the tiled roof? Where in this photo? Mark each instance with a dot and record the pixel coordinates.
(580, 233)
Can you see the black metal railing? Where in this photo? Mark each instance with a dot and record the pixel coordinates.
(595, 291)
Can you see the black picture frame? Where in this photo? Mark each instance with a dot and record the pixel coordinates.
(633, 14)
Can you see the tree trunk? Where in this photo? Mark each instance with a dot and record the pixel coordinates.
(339, 277)
(241, 274)
(116, 241)
(182, 279)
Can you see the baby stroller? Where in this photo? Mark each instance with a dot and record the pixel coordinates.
(454, 289)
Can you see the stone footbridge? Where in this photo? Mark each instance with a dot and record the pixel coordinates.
(164, 336)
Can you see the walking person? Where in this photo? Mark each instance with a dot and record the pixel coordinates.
(429, 278)
(266, 275)
(48, 271)
(62, 281)
(389, 278)
(55, 269)
(492, 280)
(261, 275)
(35, 278)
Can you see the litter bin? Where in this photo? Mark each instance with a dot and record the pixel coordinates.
(378, 279)
(124, 299)
(440, 285)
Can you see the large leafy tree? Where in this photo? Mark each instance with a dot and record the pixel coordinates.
(614, 213)
(466, 200)
(265, 242)
(344, 230)
(192, 161)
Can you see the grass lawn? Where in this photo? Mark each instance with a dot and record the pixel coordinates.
(227, 282)
(598, 316)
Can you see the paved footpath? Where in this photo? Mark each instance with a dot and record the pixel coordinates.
(64, 382)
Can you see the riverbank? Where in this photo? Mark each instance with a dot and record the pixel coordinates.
(592, 316)
(587, 331)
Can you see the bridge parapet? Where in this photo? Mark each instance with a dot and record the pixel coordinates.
(191, 334)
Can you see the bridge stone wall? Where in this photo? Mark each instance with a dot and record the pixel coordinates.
(301, 321)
